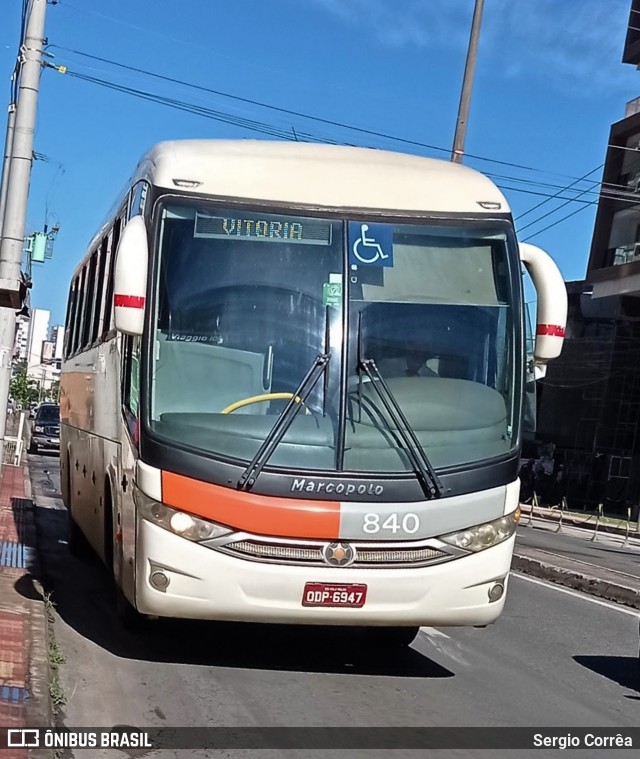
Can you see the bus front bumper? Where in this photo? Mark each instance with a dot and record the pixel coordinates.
(202, 583)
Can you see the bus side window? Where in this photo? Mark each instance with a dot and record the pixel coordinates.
(71, 318)
(107, 313)
(90, 300)
(138, 198)
(80, 311)
(131, 383)
(100, 277)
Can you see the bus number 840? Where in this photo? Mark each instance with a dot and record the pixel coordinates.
(408, 523)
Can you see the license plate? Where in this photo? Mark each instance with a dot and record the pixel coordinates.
(54, 439)
(322, 594)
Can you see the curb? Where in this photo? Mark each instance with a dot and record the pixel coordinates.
(577, 581)
(39, 709)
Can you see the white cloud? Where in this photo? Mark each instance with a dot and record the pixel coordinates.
(402, 22)
(571, 43)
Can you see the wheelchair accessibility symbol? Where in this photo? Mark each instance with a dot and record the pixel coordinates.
(370, 244)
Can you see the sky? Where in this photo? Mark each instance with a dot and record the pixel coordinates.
(549, 83)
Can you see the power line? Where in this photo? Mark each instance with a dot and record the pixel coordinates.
(323, 120)
(286, 134)
(561, 188)
(274, 131)
(555, 223)
(250, 124)
(585, 204)
(250, 101)
(526, 213)
(549, 213)
(289, 112)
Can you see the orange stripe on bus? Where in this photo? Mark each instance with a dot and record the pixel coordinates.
(260, 514)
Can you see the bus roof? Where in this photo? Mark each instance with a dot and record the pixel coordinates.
(320, 175)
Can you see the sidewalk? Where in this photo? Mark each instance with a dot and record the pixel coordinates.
(24, 697)
(602, 563)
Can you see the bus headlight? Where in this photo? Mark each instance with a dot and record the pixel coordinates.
(179, 522)
(484, 535)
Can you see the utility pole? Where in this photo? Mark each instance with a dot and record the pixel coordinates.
(467, 84)
(8, 143)
(17, 194)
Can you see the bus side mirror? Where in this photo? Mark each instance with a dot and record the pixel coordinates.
(130, 279)
(551, 312)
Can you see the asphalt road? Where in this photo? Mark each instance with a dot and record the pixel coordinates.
(576, 543)
(555, 658)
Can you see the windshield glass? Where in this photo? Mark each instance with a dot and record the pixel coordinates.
(48, 415)
(432, 308)
(246, 302)
(243, 308)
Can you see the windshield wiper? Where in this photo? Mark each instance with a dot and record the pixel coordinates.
(399, 423)
(425, 472)
(279, 430)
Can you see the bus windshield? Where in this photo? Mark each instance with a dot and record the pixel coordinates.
(245, 301)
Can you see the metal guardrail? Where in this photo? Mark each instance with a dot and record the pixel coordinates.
(597, 523)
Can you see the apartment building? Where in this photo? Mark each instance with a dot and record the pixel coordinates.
(589, 403)
(39, 347)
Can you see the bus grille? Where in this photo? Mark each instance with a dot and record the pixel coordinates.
(310, 554)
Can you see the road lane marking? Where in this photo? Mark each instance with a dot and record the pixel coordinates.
(445, 645)
(432, 632)
(577, 594)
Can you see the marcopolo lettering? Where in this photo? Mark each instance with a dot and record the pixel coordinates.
(336, 487)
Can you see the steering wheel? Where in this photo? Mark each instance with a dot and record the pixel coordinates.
(264, 397)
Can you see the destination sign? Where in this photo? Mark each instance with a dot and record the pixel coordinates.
(265, 228)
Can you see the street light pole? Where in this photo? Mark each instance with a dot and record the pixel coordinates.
(17, 191)
(467, 84)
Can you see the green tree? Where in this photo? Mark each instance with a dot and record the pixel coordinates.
(23, 389)
(52, 393)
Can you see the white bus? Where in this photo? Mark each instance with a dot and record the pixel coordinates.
(292, 387)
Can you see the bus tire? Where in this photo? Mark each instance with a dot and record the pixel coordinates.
(130, 619)
(391, 637)
(76, 542)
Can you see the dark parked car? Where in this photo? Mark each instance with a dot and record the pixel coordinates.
(45, 431)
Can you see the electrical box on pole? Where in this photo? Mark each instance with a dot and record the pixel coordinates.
(38, 247)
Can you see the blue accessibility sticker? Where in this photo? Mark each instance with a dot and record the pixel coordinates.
(370, 244)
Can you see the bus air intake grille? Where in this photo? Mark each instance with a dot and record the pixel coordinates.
(311, 554)
(292, 554)
(410, 556)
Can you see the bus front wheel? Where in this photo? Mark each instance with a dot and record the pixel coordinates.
(129, 618)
